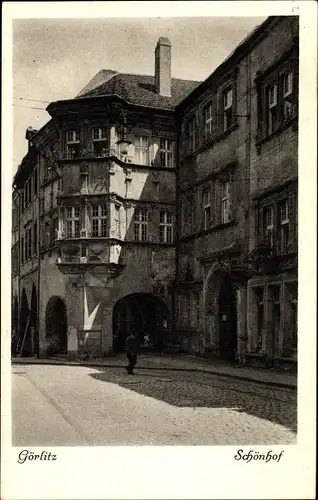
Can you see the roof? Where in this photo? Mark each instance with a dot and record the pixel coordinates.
(140, 90)
(250, 39)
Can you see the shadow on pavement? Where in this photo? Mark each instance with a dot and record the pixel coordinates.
(276, 405)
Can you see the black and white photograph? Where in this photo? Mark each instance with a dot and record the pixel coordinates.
(155, 234)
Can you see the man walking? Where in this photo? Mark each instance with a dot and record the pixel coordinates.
(132, 351)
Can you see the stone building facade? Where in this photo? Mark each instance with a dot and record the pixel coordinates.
(103, 215)
(168, 207)
(237, 178)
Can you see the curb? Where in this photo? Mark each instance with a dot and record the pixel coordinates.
(197, 370)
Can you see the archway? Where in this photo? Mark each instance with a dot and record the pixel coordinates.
(24, 346)
(14, 325)
(220, 308)
(34, 321)
(15, 315)
(143, 314)
(56, 325)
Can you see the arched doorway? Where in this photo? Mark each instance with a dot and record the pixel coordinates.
(221, 311)
(15, 315)
(227, 320)
(24, 346)
(34, 321)
(143, 314)
(14, 325)
(56, 325)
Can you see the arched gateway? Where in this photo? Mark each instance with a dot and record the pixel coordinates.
(143, 314)
(56, 325)
(220, 314)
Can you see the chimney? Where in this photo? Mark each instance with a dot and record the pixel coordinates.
(163, 67)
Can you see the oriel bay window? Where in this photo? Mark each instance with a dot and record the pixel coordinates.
(166, 227)
(73, 138)
(141, 224)
(99, 220)
(100, 141)
(72, 222)
(166, 153)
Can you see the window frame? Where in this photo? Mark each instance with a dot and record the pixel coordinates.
(73, 143)
(141, 220)
(73, 220)
(208, 122)
(192, 134)
(283, 224)
(207, 207)
(288, 64)
(101, 219)
(97, 141)
(141, 149)
(227, 110)
(226, 201)
(166, 226)
(165, 153)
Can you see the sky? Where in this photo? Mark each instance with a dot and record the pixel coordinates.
(55, 58)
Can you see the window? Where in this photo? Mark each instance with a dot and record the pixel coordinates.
(206, 208)
(166, 157)
(284, 226)
(278, 96)
(272, 108)
(99, 220)
(288, 96)
(225, 202)
(208, 122)
(35, 238)
(35, 182)
(141, 224)
(100, 142)
(117, 222)
(166, 227)
(227, 108)
(73, 144)
(73, 222)
(259, 292)
(192, 134)
(142, 150)
(268, 219)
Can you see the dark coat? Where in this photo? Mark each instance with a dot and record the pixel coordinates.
(131, 344)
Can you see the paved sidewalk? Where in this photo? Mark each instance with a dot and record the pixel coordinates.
(180, 362)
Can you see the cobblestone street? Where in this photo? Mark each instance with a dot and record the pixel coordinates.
(77, 405)
(201, 390)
